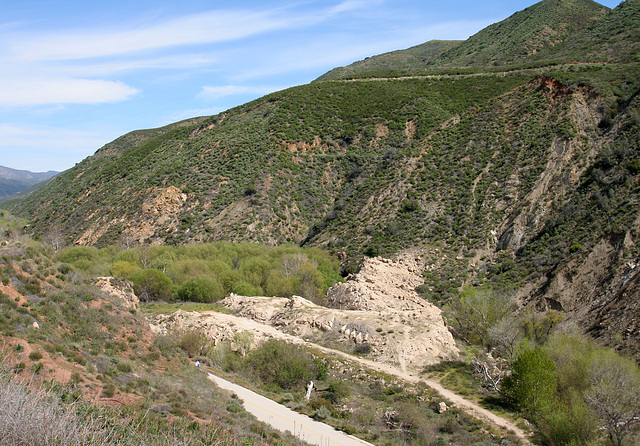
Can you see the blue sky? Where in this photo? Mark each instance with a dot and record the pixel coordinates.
(75, 75)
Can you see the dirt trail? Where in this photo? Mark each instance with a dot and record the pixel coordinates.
(471, 408)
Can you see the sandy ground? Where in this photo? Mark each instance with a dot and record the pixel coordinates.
(244, 324)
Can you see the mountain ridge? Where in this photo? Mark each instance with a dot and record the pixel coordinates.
(14, 181)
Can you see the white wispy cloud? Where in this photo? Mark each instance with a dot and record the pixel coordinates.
(77, 66)
(31, 91)
(207, 27)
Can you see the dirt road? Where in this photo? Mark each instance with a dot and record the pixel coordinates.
(285, 419)
(468, 406)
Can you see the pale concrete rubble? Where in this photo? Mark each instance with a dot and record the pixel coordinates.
(379, 309)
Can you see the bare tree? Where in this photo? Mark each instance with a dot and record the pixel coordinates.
(491, 371)
(128, 239)
(54, 238)
(476, 310)
(506, 334)
(614, 394)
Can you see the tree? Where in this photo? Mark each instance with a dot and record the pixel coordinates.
(532, 384)
(282, 364)
(124, 269)
(54, 238)
(204, 289)
(476, 310)
(506, 335)
(614, 394)
(151, 284)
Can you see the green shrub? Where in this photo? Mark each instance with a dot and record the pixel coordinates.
(282, 364)
(243, 288)
(204, 289)
(532, 384)
(124, 269)
(35, 355)
(151, 284)
(194, 343)
(337, 391)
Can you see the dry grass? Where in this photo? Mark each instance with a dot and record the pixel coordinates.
(31, 415)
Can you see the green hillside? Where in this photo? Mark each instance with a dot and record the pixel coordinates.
(522, 37)
(614, 38)
(523, 181)
(508, 165)
(414, 58)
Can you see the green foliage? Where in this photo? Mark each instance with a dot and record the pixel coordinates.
(200, 289)
(532, 384)
(476, 310)
(281, 364)
(337, 391)
(614, 394)
(151, 284)
(243, 288)
(193, 342)
(124, 269)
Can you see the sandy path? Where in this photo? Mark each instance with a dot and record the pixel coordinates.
(470, 407)
(284, 419)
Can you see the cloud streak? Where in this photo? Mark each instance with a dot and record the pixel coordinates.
(32, 91)
(66, 61)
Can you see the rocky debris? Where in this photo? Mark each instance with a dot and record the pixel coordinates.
(182, 321)
(168, 201)
(381, 285)
(382, 317)
(442, 407)
(119, 289)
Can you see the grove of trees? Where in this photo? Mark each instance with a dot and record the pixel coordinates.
(573, 390)
(209, 272)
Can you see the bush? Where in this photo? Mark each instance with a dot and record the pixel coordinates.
(243, 288)
(151, 284)
(337, 391)
(35, 355)
(204, 289)
(532, 385)
(194, 343)
(282, 364)
(124, 269)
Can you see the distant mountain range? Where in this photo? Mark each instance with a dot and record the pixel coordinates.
(13, 181)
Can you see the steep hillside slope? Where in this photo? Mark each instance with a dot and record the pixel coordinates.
(525, 181)
(263, 172)
(530, 36)
(522, 36)
(614, 38)
(413, 58)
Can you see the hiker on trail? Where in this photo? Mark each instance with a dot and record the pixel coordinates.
(198, 364)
